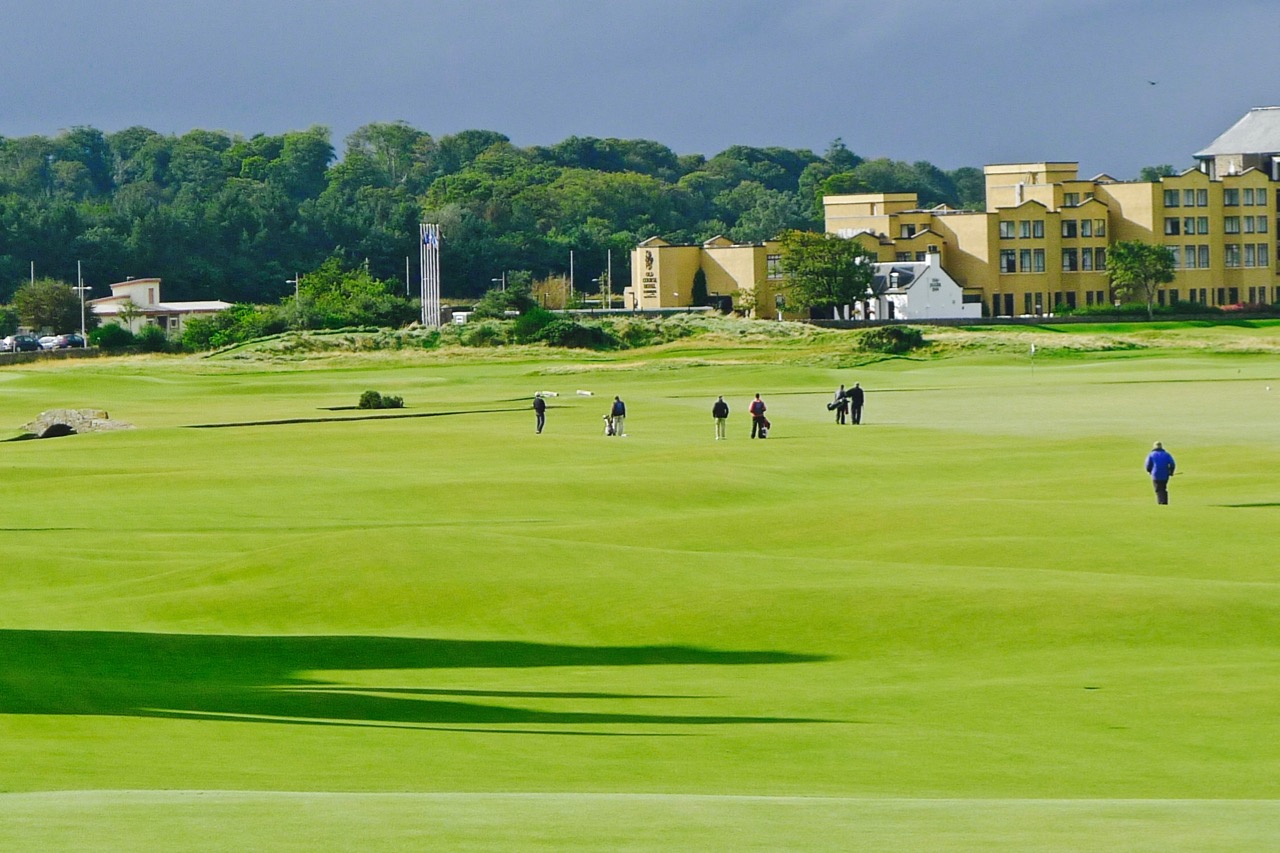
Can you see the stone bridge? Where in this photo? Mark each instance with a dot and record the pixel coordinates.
(56, 422)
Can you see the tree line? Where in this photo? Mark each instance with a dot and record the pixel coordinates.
(218, 215)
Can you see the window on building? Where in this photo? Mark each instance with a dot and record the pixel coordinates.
(1006, 230)
(1231, 197)
(1099, 227)
(1262, 223)
(1069, 228)
(1189, 257)
(1160, 297)
(1008, 260)
(1037, 260)
(1024, 229)
(906, 231)
(1024, 260)
(1088, 297)
(1171, 198)
(1248, 196)
(1177, 256)
(1188, 198)
(1027, 304)
(1086, 260)
(1188, 225)
(902, 256)
(1248, 225)
(1070, 199)
(1250, 255)
(1264, 255)
(1086, 227)
(1070, 260)
(1100, 258)
(1231, 224)
(1173, 295)
(1172, 226)
(1231, 255)
(1202, 225)
(1233, 295)
(773, 267)
(1203, 256)
(1037, 229)
(920, 257)
(1202, 198)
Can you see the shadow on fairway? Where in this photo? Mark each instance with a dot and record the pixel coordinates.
(336, 420)
(261, 679)
(1249, 506)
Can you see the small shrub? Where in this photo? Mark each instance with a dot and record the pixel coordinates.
(527, 326)
(892, 339)
(486, 334)
(152, 339)
(111, 336)
(374, 400)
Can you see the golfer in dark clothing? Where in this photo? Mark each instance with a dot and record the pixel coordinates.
(720, 411)
(855, 396)
(1160, 466)
(619, 415)
(759, 426)
(540, 410)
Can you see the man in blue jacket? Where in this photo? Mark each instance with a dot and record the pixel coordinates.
(1160, 466)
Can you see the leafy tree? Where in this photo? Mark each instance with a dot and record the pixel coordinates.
(1153, 174)
(333, 296)
(48, 304)
(698, 294)
(823, 270)
(1138, 269)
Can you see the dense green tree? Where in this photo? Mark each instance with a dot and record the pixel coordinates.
(1137, 270)
(1153, 174)
(823, 270)
(48, 305)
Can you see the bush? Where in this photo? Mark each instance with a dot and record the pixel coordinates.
(374, 400)
(152, 338)
(563, 332)
(483, 335)
(528, 325)
(111, 336)
(892, 339)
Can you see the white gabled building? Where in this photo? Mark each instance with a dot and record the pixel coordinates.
(920, 290)
(148, 309)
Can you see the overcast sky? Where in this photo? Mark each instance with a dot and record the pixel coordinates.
(955, 82)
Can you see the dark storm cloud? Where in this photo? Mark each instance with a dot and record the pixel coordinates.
(957, 82)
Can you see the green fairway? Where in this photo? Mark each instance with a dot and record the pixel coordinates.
(265, 620)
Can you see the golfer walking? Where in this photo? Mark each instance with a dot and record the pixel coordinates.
(720, 411)
(540, 411)
(1160, 466)
(855, 396)
(759, 426)
(619, 415)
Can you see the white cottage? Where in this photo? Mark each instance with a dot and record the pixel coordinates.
(147, 308)
(920, 290)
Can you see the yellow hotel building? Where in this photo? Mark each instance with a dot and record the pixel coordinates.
(1042, 240)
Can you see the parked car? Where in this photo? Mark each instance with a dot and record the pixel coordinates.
(20, 343)
(46, 341)
(69, 341)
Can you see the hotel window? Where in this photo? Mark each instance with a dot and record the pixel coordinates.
(1188, 198)
(1070, 260)
(1068, 228)
(902, 256)
(1231, 255)
(1188, 225)
(906, 232)
(1222, 296)
(1086, 260)
(1172, 226)
(1202, 225)
(1008, 260)
(1173, 295)
(1024, 260)
(1037, 229)
(1088, 297)
(1264, 255)
(1026, 303)
(1024, 229)
(1086, 227)
(1099, 258)
(1037, 260)
(1006, 230)
(1099, 227)
(1261, 222)
(1231, 197)
(1190, 255)
(1231, 224)
(1177, 256)
(1070, 199)
(773, 267)
(1248, 196)
(1203, 253)
(1170, 198)
(1250, 255)
(1248, 225)
(1202, 198)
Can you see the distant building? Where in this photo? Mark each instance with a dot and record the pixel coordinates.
(148, 309)
(745, 277)
(921, 290)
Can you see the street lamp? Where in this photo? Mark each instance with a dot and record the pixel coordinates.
(296, 281)
(81, 287)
